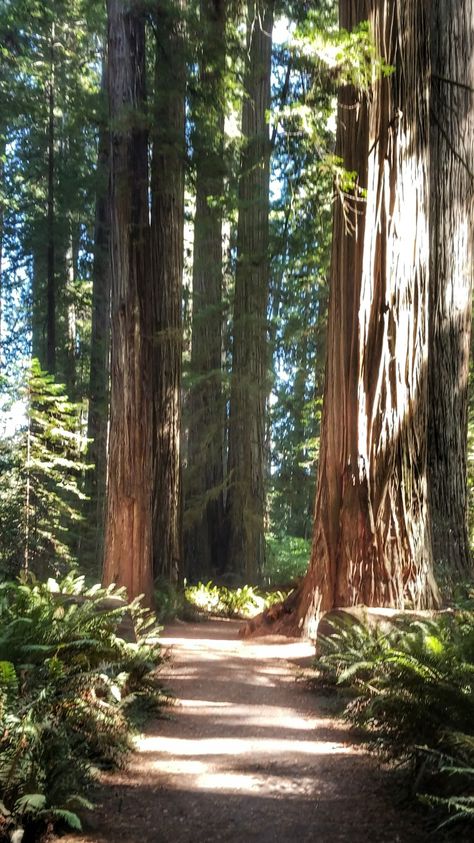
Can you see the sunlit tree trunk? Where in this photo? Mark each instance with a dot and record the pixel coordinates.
(246, 494)
(204, 477)
(372, 538)
(452, 266)
(128, 544)
(167, 185)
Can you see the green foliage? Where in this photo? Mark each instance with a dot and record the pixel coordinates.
(351, 56)
(41, 482)
(69, 687)
(414, 696)
(243, 602)
(287, 558)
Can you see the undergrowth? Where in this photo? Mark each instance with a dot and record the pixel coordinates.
(70, 692)
(243, 602)
(413, 695)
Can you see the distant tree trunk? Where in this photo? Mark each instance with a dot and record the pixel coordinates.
(128, 543)
(452, 266)
(99, 364)
(372, 540)
(167, 221)
(50, 223)
(246, 494)
(204, 478)
(2, 220)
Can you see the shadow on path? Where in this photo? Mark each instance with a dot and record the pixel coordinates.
(245, 756)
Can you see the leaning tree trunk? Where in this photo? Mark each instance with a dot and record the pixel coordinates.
(204, 476)
(167, 185)
(452, 266)
(246, 464)
(371, 540)
(128, 543)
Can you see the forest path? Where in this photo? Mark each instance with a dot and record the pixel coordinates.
(247, 754)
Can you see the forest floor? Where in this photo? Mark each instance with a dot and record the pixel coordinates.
(248, 752)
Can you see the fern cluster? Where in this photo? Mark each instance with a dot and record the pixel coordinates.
(69, 690)
(243, 602)
(413, 693)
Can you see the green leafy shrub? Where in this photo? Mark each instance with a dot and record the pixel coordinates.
(68, 689)
(413, 692)
(243, 602)
(287, 559)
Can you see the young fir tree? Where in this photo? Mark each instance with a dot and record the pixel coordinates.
(51, 471)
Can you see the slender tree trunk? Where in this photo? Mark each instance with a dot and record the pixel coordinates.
(99, 364)
(167, 256)
(452, 266)
(204, 478)
(128, 544)
(50, 223)
(2, 222)
(372, 540)
(246, 495)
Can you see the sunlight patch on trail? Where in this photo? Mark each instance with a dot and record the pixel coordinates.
(276, 747)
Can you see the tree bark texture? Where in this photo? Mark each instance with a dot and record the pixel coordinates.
(167, 221)
(246, 495)
(372, 538)
(204, 477)
(128, 544)
(97, 425)
(452, 266)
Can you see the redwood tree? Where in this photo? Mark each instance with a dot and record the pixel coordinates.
(452, 266)
(128, 543)
(167, 222)
(204, 477)
(372, 536)
(97, 422)
(246, 494)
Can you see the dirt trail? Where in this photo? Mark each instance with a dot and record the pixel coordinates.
(247, 754)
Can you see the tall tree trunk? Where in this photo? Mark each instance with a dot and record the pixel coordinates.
(99, 363)
(128, 543)
(2, 222)
(167, 185)
(371, 540)
(452, 266)
(246, 495)
(50, 223)
(204, 478)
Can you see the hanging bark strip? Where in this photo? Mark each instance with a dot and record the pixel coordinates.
(452, 267)
(128, 546)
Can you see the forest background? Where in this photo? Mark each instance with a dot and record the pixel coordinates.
(169, 180)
